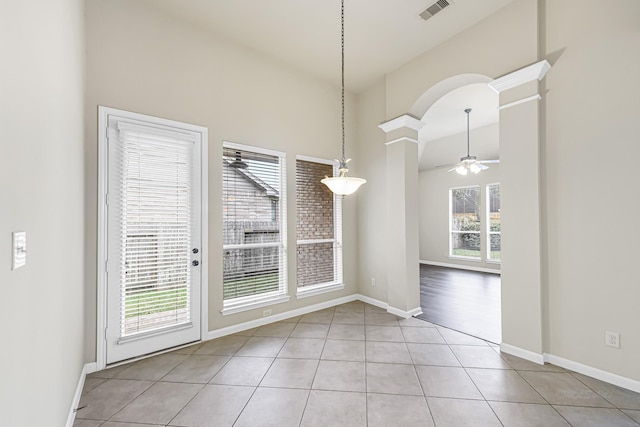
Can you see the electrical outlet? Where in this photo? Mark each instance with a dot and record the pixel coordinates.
(266, 313)
(612, 339)
(373, 282)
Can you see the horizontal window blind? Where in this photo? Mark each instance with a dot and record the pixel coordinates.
(155, 226)
(254, 226)
(318, 226)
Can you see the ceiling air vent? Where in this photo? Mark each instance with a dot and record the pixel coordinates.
(435, 8)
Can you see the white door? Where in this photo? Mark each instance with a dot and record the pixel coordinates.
(153, 221)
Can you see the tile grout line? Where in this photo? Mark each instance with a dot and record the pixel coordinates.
(306, 403)
(262, 379)
(424, 395)
(599, 394)
(464, 368)
(543, 398)
(203, 386)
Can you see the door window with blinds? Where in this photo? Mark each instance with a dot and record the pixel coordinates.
(318, 229)
(254, 227)
(153, 238)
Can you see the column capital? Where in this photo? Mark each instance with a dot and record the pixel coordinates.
(404, 121)
(519, 77)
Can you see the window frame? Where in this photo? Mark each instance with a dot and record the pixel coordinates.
(451, 231)
(338, 284)
(250, 302)
(489, 233)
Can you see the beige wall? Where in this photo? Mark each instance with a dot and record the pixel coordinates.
(589, 117)
(592, 141)
(503, 42)
(372, 197)
(157, 65)
(41, 183)
(433, 196)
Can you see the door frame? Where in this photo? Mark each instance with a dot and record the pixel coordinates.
(101, 291)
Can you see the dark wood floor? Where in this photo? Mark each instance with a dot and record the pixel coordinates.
(466, 301)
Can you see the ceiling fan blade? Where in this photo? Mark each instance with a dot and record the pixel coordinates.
(454, 165)
(489, 161)
(481, 166)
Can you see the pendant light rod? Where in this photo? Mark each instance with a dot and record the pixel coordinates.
(468, 110)
(343, 163)
(343, 184)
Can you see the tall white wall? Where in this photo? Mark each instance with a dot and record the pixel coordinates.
(141, 60)
(41, 187)
(372, 197)
(591, 203)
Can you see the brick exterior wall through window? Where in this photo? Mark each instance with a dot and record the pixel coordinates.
(315, 221)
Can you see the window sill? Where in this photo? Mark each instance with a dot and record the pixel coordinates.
(310, 291)
(492, 261)
(465, 258)
(251, 305)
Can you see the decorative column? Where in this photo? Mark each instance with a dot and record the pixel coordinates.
(403, 270)
(522, 303)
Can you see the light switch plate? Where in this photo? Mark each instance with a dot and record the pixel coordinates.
(19, 249)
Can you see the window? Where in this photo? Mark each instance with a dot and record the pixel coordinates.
(318, 229)
(464, 222)
(493, 215)
(254, 227)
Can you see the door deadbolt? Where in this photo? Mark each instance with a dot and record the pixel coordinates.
(195, 250)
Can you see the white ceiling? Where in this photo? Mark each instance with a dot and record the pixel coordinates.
(443, 139)
(380, 35)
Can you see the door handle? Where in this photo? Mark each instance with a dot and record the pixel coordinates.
(195, 263)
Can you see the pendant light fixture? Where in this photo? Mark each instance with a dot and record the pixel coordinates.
(470, 163)
(343, 185)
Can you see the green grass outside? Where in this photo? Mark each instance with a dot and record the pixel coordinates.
(495, 255)
(144, 303)
(256, 285)
(467, 252)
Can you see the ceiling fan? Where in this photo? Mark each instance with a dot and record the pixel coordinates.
(470, 163)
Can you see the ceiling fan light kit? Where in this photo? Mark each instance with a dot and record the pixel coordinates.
(343, 185)
(468, 163)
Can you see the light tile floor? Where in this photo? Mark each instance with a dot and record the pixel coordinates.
(352, 365)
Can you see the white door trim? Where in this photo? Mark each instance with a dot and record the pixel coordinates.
(101, 291)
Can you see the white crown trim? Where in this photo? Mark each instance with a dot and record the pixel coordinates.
(404, 121)
(524, 75)
(535, 97)
(404, 138)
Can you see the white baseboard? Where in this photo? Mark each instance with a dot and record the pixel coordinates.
(90, 368)
(404, 314)
(306, 310)
(401, 313)
(580, 368)
(86, 369)
(596, 373)
(461, 267)
(522, 353)
(372, 301)
(277, 317)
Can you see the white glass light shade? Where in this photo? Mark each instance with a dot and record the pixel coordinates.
(343, 185)
(461, 170)
(473, 167)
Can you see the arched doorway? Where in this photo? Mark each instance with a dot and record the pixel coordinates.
(459, 217)
(522, 291)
